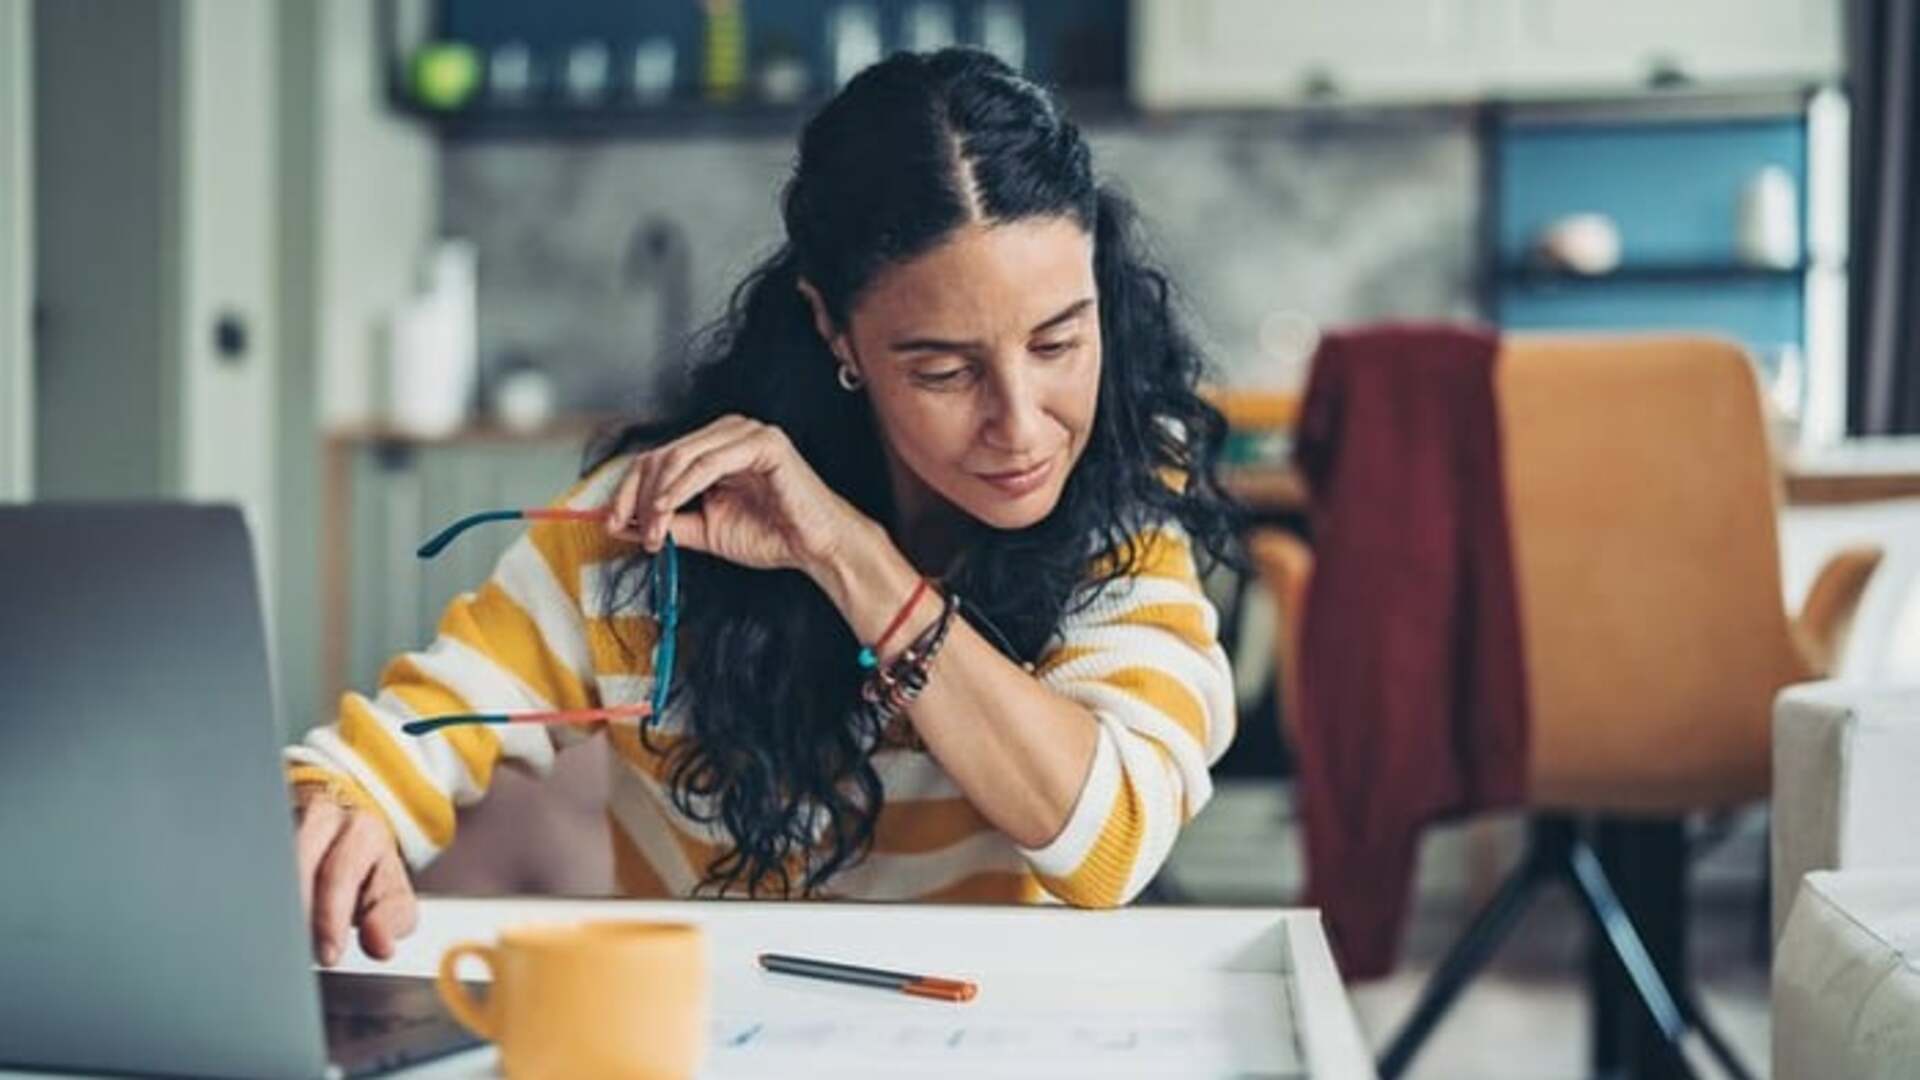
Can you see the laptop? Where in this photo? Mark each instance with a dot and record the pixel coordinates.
(150, 921)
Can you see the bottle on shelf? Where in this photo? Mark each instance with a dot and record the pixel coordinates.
(725, 71)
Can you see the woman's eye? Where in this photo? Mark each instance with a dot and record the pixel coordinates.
(1054, 348)
(949, 377)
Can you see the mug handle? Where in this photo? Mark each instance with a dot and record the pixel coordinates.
(473, 1015)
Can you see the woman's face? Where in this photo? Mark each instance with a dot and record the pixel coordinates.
(982, 361)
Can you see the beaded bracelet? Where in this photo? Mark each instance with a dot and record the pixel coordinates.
(889, 688)
(892, 688)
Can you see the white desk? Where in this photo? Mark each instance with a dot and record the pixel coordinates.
(1151, 991)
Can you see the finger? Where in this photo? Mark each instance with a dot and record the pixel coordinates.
(754, 449)
(320, 821)
(690, 532)
(625, 516)
(676, 458)
(336, 892)
(630, 518)
(654, 509)
(388, 908)
(752, 453)
(626, 497)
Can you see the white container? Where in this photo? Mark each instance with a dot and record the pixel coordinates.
(652, 70)
(1003, 32)
(433, 359)
(1584, 243)
(524, 400)
(853, 40)
(928, 26)
(1769, 224)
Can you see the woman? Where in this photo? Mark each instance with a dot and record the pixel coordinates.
(956, 368)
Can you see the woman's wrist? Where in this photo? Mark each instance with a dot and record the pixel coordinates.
(868, 579)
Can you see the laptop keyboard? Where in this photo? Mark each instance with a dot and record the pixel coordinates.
(376, 1023)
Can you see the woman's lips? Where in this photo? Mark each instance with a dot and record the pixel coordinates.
(1020, 482)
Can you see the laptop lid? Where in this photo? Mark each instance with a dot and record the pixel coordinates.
(149, 915)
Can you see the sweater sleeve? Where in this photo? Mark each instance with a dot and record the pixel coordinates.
(519, 642)
(1145, 659)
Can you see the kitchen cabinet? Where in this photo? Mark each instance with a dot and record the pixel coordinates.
(1550, 46)
(1254, 53)
(1202, 53)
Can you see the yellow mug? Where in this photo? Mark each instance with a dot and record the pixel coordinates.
(597, 999)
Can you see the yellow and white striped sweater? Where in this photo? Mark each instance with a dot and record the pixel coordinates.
(1143, 659)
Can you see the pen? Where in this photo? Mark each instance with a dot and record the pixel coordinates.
(925, 986)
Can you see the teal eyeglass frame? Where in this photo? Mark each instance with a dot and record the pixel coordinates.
(663, 599)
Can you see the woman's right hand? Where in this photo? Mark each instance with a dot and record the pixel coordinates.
(351, 875)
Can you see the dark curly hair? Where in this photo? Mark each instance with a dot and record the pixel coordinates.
(776, 744)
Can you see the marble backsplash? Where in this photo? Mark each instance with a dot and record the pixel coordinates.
(596, 257)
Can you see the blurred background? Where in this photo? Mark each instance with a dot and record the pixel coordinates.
(363, 266)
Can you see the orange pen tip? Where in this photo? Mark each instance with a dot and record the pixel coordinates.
(941, 989)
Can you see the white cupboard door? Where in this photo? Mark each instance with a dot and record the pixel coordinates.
(1194, 53)
(227, 349)
(1554, 46)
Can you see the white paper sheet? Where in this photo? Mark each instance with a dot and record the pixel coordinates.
(1229, 1025)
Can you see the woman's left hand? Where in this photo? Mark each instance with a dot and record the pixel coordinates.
(762, 505)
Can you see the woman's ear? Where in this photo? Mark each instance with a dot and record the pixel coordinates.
(823, 324)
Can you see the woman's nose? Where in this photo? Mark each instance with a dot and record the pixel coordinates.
(1017, 418)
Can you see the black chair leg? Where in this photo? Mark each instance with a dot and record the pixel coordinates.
(1607, 994)
(1647, 861)
(1675, 1017)
(1722, 1052)
(1465, 960)
(1555, 848)
(1591, 883)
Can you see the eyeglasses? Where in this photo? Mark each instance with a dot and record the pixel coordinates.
(663, 599)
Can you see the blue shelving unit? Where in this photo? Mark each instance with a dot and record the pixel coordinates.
(1673, 188)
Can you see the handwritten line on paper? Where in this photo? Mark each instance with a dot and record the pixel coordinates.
(1136, 1039)
(744, 1037)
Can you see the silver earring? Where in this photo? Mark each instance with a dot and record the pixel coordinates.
(848, 378)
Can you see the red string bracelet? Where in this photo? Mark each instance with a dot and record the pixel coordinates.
(870, 655)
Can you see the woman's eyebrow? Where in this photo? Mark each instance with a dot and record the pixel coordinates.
(1066, 315)
(942, 345)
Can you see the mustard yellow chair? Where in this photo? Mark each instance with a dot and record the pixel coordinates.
(1642, 502)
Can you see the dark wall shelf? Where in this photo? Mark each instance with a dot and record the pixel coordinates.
(1677, 273)
(678, 119)
(1076, 46)
(665, 120)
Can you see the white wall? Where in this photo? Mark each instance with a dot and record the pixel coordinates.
(378, 204)
(106, 248)
(358, 201)
(226, 260)
(296, 589)
(16, 249)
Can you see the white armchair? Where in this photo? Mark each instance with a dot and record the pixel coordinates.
(1846, 880)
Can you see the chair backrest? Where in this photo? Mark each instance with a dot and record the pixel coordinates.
(1284, 563)
(1642, 503)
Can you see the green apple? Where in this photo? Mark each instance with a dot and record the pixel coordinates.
(445, 74)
